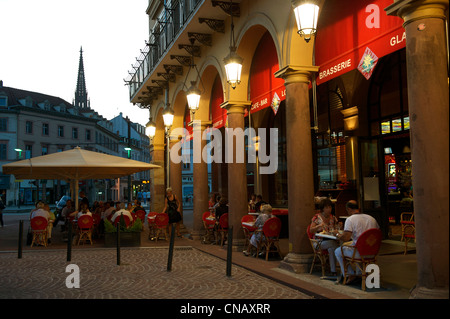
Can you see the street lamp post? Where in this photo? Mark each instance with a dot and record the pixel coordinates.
(128, 149)
(168, 121)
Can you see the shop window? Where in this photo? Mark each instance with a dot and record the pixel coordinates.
(387, 100)
(406, 123)
(386, 127)
(397, 125)
(28, 151)
(330, 148)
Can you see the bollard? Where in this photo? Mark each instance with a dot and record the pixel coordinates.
(118, 244)
(229, 250)
(20, 239)
(69, 243)
(172, 240)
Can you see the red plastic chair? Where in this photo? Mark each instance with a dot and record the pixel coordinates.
(161, 223)
(271, 231)
(126, 218)
(85, 224)
(39, 230)
(209, 225)
(368, 246)
(248, 230)
(321, 254)
(141, 215)
(223, 228)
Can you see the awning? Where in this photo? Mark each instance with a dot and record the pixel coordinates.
(349, 30)
(218, 115)
(265, 89)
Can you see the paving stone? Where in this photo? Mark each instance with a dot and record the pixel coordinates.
(141, 275)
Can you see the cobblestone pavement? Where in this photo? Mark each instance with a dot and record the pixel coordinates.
(141, 275)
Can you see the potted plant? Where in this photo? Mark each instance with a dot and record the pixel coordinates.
(129, 236)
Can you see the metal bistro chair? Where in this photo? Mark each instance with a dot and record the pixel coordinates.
(319, 253)
(209, 225)
(408, 228)
(368, 246)
(39, 230)
(85, 225)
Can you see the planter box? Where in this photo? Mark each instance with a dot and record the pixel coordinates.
(132, 239)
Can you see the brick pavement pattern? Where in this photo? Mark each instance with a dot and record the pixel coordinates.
(141, 275)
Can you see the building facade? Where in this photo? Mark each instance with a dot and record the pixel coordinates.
(361, 112)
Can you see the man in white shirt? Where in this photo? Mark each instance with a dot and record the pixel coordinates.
(40, 211)
(123, 211)
(354, 226)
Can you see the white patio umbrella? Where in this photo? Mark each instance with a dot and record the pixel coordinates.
(74, 165)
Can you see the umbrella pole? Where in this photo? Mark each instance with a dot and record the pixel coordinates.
(76, 195)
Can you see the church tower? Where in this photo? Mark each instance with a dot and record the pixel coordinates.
(81, 96)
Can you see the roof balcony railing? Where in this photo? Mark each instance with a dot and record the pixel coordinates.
(163, 35)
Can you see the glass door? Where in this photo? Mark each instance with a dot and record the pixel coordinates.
(372, 181)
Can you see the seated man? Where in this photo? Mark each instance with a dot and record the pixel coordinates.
(109, 210)
(138, 206)
(40, 211)
(354, 226)
(121, 211)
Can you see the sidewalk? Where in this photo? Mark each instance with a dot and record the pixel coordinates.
(398, 271)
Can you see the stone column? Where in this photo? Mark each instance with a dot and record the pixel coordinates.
(299, 166)
(158, 190)
(200, 175)
(428, 98)
(237, 174)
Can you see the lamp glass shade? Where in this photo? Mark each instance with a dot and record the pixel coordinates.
(193, 98)
(168, 118)
(233, 68)
(150, 129)
(306, 15)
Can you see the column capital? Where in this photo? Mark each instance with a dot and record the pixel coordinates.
(235, 106)
(158, 147)
(296, 73)
(200, 125)
(411, 11)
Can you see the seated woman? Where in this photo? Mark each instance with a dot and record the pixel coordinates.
(266, 213)
(222, 208)
(324, 221)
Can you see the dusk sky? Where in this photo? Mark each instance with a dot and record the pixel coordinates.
(40, 47)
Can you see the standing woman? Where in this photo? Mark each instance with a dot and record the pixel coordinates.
(172, 208)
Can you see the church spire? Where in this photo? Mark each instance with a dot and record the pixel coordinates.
(81, 97)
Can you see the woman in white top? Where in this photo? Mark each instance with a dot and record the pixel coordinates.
(84, 210)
